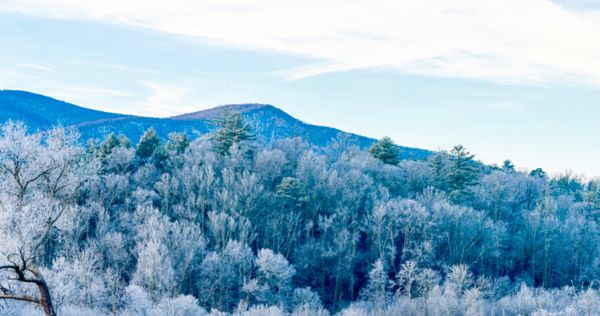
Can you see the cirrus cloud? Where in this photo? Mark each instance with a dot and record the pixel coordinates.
(531, 41)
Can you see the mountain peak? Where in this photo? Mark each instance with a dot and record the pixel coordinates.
(215, 112)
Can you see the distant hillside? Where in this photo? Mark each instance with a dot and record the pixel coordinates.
(211, 114)
(41, 112)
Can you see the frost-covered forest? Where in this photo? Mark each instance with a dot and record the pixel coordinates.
(229, 224)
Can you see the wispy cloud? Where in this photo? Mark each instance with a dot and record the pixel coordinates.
(505, 106)
(508, 41)
(164, 98)
(116, 67)
(37, 67)
(508, 106)
(311, 70)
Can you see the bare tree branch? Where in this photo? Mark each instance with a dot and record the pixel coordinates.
(19, 298)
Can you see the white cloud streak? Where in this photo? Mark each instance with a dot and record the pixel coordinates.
(37, 67)
(531, 41)
(118, 67)
(165, 98)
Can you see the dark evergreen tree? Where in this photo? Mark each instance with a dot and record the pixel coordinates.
(437, 164)
(161, 159)
(386, 151)
(124, 141)
(107, 146)
(508, 166)
(148, 144)
(292, 190)
(539, 173)
(232, 130)
(462, 172)
(177, 143)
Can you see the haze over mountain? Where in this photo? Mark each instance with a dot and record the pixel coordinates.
(41, 112)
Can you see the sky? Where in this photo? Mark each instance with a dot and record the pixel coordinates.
(511, 79)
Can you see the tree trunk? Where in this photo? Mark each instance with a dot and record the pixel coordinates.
(46, 299)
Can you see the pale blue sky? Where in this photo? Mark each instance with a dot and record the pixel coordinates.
(504, 90)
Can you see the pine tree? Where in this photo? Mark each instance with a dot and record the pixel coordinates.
(161, 159)
(386, 151)
(538, 173)
(108, 145)
(105, 148)
(177, 143)
(438, 165)
(124, 141)
(148, 144)
(292, 190)
(508, 166)
(462, 173)
(232, 130)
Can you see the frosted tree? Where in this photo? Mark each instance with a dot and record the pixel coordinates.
(222, 276)
(273, 281)
(187, 246)
(120, 160)
(291, 229)
(427, 281)
(459, 279)
(78, 281)
(40, 177)
(272, 165)
(183, 305)
(466, 235)
(473, 302)
(154, 272)
(305, 299)
(378, 285)
(136, 301)
(383, 229)
(415, 232)
(406, 279)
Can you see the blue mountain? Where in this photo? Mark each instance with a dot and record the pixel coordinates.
(40, 113)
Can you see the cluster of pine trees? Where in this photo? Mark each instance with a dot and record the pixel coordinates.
(226, 224)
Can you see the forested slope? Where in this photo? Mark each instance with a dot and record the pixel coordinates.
(224, 224)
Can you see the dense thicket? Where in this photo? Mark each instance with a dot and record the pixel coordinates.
(226, 224)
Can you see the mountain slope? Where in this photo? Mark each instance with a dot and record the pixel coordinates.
(40, 113)
(43, 112)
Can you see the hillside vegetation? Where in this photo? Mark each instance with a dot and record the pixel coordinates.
(225, 224)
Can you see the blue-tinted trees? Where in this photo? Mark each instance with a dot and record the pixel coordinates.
(287, 228)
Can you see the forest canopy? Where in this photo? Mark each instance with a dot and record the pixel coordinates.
(227, 224)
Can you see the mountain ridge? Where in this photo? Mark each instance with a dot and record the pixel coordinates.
(213, 113)
(40, 112)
